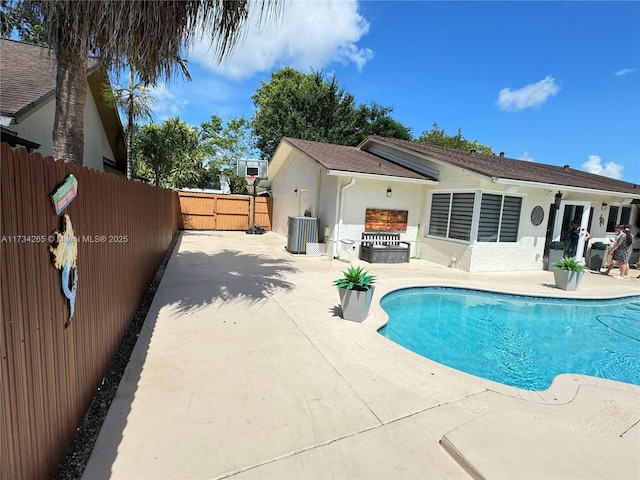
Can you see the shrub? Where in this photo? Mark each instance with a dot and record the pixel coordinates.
(569, 263)
(556, 245)
(598, 246)
(355, 278)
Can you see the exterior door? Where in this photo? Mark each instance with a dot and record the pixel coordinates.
(570, 212)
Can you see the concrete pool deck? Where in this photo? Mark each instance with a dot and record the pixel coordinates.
(244, 369)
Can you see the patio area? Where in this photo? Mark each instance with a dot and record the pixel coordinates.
(244, 369)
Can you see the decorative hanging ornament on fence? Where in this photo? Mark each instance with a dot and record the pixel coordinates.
(65, 244)
(65, 194)
(65, 255)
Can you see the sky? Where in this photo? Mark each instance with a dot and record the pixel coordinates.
(551, 82)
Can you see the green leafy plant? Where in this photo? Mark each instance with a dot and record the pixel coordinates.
(355, 278)
(598, 246)
(557, 245)
(569, 263)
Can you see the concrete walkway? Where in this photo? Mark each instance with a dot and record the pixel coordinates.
(244, 369)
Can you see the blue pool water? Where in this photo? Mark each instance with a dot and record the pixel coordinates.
(516, 340)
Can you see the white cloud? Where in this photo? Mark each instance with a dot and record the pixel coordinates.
(310, 35)
(532, 95)
(166, 104)
(609, 169)
(625, 71)
(525, 156)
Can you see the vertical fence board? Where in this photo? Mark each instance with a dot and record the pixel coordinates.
(49, 374)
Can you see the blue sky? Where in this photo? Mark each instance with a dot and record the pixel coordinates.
(551, 82)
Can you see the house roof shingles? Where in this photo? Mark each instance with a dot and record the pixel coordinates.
(27, 74)
(352, 160)
(512, 169)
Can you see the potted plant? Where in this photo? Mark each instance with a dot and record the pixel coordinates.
(356, 292)
(568, 272)
(596, 255)
(556, 252)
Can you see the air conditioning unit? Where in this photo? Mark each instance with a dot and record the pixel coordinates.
(302, 230)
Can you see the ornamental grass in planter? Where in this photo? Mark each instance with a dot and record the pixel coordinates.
(568, 273)
(356, 293)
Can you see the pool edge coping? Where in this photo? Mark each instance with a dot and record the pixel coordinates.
(564, 387)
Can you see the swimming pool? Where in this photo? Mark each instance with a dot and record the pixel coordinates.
(522, 341)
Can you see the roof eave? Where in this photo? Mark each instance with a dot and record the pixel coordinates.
(567, 188)
(375, 176)
(33, 106)
(110, 118)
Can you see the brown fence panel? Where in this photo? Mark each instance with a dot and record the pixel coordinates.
(197, 211)
(264, 212)
(208, 211)
(49, 373)
(232, 212)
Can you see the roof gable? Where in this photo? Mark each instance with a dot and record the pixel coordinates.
(503, 168)
(342, 158)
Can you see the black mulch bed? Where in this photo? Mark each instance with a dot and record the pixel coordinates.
(77, 456)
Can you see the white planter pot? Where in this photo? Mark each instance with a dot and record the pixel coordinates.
(566, 279)
(355, 303)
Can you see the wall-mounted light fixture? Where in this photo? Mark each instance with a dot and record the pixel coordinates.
(604, 206)
(558, 200)
(389, 192)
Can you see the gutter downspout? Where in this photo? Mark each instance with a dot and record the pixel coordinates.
(340, 212)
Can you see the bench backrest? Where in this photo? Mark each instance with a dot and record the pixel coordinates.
(381, 238)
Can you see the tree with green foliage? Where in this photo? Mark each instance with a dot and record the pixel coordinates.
(437, 136)
(134, 100)
(16, 17)
(170, 155)
(386, 126)
(310, 107)
(224, 145)
(149, 36)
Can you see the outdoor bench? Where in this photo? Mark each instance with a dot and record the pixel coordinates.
(383, 248)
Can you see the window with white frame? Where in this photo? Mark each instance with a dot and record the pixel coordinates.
(452, 216)
(499, 218)
(618, 215)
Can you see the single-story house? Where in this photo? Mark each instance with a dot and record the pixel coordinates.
(475, 212)
(27, 107)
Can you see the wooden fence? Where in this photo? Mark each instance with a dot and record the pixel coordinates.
(49, 374)
(207, 211)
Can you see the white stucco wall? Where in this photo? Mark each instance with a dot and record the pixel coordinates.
(96, 143)
(322, 197)
(320, 193)
(368, 193)
(327, 205)
(296, 173)
(524, 255)
(527, 253)
(37, 126)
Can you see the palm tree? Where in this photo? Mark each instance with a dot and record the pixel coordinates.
(136, 102)
(149, 36)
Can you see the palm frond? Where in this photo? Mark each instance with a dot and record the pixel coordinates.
(151, 36)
